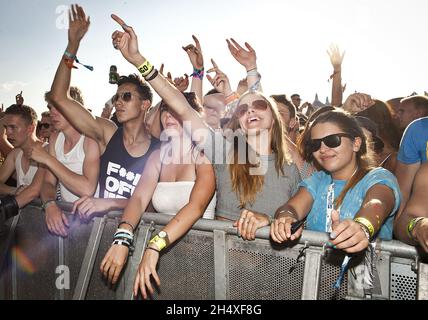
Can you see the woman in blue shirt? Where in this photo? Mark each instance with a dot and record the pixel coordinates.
(348, 197)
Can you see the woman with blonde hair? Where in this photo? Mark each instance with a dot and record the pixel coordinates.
(249, 191)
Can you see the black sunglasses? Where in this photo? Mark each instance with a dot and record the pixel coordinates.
(125, 96)
(242, 109)
(44, 125)
(331, 141)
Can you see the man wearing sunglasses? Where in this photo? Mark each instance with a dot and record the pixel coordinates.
(45, 127)
(124, 151)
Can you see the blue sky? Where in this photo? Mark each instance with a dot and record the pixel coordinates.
(385, 43)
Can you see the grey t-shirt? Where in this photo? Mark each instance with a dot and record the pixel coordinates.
(277, 189)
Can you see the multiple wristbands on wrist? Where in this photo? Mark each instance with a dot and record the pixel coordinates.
(412, 224)
(148, 71)
(198, 73)
(125, 238)
(367, 227)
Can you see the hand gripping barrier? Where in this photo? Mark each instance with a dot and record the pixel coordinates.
(209, 262)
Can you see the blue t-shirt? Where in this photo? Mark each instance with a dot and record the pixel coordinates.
(318, 184)
(414, 144)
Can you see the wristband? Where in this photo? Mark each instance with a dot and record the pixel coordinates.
(412, 224)
(145, 68)
(198, 73)
(367, 224)
(152, 76)
(47, 203)
(158, 242)
(153, 249)
(127, 223)
(231, 97)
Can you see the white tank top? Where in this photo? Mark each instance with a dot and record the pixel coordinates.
(73, 160)
(21, 177)
(170, 197)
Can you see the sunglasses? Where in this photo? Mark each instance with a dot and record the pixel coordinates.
(124, 96)
(331, 141)
(260, 105)
(44, 125)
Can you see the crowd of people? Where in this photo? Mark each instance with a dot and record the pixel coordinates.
(356, 169)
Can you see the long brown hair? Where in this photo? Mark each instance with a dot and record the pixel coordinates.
(348, 125)
(381, 114)
(244, 184)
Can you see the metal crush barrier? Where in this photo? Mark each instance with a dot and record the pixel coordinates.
(209, 262)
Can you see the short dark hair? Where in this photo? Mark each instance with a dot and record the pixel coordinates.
(142, 87)
(282, 98)
(27, 113)
(45, 114)
(295, 95)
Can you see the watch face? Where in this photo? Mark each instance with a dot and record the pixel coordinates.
(162, 234)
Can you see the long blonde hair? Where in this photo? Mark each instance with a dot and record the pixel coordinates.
(244, 184)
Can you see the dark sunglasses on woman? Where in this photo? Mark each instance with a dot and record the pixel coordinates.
(260, 105)
(331, 141)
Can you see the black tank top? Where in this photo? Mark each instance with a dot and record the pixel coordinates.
(119, 171)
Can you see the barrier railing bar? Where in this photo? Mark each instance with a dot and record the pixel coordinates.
(422, 286)
(61, 263)
(89, 259)
(221, 265)
(312, 238)
(135, 261)
(312, 273)
(396, 248)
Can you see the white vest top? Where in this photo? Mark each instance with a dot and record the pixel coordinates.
(170, 197)
(21, 177)
(73, 160)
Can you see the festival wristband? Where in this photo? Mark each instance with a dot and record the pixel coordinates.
(198, 73)
(158, 242)
(145, 68)
(412, 224)
(366, 223)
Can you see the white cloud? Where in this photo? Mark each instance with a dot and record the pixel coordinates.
(12, 85)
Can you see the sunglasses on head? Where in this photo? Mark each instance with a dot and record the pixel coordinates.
(331, 141)
(125, 96)
(44, 125)
(260, 105)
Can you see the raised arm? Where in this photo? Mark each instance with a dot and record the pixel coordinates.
(248, 59)
(99, 129)
(127, 43)
(194, 51)
(336, 59)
